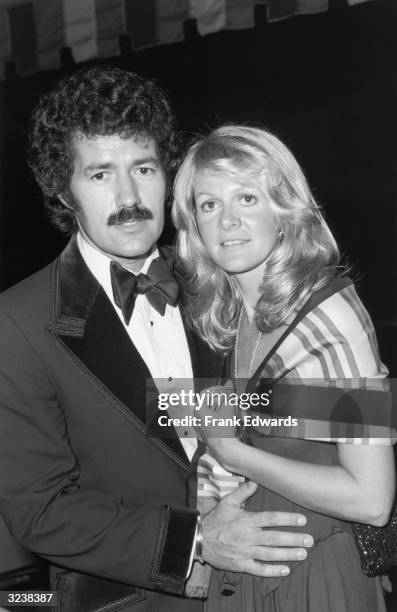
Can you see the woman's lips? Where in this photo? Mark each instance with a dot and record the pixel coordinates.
(234, 242)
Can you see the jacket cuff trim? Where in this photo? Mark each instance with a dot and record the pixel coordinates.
(174, 547)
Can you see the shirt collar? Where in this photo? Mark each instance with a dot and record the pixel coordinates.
(98, 262)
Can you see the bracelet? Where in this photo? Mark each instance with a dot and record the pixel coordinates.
(198, 541)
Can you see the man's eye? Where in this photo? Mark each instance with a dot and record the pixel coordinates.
(209, 205)
(99, 176)
(145, 171)
(249, 198)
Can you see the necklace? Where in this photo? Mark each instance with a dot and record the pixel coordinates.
(236, 348)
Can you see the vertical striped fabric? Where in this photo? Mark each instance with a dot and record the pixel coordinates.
(140, 16)
(50, 32)
(110, 20)
(23, 38)
(280, 9)
(5, 41)
(170, 15)
(32, 32)
(240, 14)
(80, 28)
(306, 7)
(210, 15)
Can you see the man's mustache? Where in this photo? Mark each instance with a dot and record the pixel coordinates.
(135, 213)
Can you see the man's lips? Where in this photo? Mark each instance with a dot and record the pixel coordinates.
(234, 242)
(129, 227)
(128, 223)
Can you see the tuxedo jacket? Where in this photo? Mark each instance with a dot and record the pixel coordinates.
(85, 480)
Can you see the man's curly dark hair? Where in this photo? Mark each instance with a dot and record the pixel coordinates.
(96, 101)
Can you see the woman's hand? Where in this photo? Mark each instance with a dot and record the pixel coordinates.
(218, 421)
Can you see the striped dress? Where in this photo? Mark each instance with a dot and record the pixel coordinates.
(322, 371)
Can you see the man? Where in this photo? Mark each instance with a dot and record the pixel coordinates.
(84, 481)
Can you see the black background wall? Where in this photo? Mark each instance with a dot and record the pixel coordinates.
(324, 83)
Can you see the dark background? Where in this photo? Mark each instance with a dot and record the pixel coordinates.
(325, 84)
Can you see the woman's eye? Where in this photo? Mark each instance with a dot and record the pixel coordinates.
(209, 205)
(248, 198)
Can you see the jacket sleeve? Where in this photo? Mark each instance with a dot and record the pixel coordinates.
(45, 504)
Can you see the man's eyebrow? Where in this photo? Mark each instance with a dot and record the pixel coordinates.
(96, 166)
(147, 160)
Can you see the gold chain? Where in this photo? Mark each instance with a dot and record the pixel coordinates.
(236, 349)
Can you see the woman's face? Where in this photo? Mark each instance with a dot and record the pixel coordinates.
(235, 221)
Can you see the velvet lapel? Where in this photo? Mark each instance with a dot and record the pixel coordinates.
(89, 330)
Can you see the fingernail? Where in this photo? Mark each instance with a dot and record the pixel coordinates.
(301, 554)
(284, 571)
(308, 541)
(301, 520)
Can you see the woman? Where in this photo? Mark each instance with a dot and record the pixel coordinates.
(266, 291)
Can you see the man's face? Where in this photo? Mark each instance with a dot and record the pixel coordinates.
(118, 187)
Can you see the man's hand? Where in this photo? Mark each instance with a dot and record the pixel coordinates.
(235, 540)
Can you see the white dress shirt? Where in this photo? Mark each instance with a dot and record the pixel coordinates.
(160, 340)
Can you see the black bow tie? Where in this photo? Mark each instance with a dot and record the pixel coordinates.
(159, 286)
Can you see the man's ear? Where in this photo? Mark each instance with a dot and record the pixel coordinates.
(65, 201)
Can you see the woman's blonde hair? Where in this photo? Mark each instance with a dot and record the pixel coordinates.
(304, 259)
